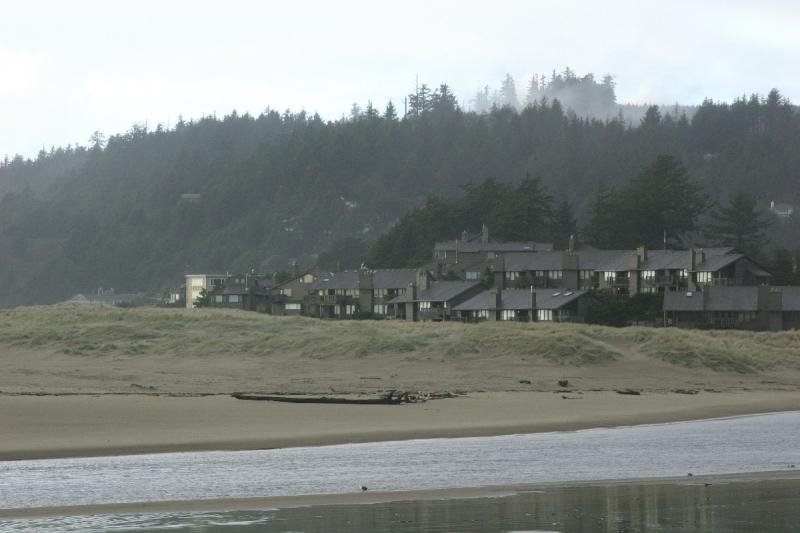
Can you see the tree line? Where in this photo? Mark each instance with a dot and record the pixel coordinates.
(136, 210)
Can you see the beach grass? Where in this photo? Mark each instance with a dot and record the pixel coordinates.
(87, 330)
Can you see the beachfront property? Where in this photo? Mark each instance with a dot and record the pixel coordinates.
(197, 283)
(629, 272)
(429, 300)
(762, 308)
(250, 292)
(525, 305)
(473, 278)
(470, 256)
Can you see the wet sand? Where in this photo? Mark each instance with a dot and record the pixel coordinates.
(36, 427)
(787, 478)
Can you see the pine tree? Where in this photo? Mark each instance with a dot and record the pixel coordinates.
(507, 97)
(390, 113)
(739, 224)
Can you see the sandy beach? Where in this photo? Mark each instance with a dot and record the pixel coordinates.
(83, 425)
(79, 381)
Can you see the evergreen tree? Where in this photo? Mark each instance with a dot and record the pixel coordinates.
(739, 224)
(390, 113)
(564, 225)
(782, 265)
(507, 97)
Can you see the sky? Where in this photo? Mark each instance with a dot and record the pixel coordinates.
(68, 69)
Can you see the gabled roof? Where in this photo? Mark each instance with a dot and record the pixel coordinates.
(518, 299)
(604, 260)
(393, 278)
(389, 278)
(440, 291)
(522, 262)
(732, 299)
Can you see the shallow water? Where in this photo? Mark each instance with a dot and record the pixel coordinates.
(745, 507)
(741, 444)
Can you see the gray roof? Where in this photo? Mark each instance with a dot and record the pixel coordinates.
(717, 262)
(390, 278)
(605, 260)
(683, 301)
(521, 262)
(440, 291)
(393, 278)
(617, 260)
(478, 246)
(515, 299)
(790, 297)
(733, 299)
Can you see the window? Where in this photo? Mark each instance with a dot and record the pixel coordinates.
(648, 275)
(748, 316)
(684, 274)
(218, 298)
(508, 314)
(473, 275)
(610, 276)
(705, 277)
(482, 313)
(586, 274)
(286, 292)
(544, 315)
(555, 274)
(491, 255)
(234, 299)
(379, 309)
(440, 254)
(292, 307)
(198, 282)
(349, 309)
(379, 293)
(512, 276)
(424, 305)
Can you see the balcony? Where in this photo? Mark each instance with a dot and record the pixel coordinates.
(432, 314)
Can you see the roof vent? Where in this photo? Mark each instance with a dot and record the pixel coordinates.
(557, 293)
(568, 293)
(689, 294)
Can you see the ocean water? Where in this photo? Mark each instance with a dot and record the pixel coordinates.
(719, 446)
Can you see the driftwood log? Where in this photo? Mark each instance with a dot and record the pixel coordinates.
(392, 397)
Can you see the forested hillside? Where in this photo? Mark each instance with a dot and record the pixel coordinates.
(264, 191)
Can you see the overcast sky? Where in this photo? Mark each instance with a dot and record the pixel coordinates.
(70, 68)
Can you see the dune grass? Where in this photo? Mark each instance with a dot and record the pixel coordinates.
(83, 330)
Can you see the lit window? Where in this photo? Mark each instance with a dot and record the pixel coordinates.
(292, 307)
(648, 275)
(379, 309)
(424, 305)
(473, 275)
(511, 276)
(544, 315)
(508, 314)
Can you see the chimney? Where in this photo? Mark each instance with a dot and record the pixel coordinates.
(495, 298)
(696, 258)
(772, 205)
(484, 234)
(571, 248)
(411, 292)
(464, 236)
(423, 281)
(532, 304)
(364, 277)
